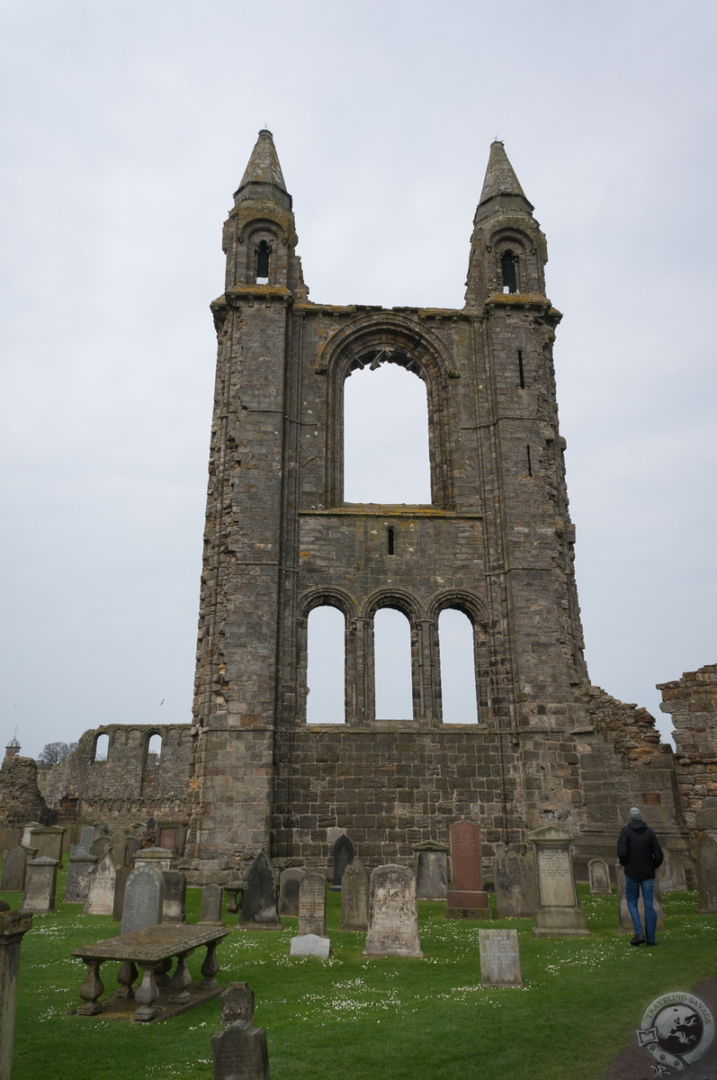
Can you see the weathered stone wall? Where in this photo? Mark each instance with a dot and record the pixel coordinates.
(20, 798)
(692, 703)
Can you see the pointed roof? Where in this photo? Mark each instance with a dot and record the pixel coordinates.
(263, 167)
(500, 178)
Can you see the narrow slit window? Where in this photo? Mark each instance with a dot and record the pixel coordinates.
(521, 370)
(509, 272)
(459, 696)
(102, 745)
(325, 695)
(263, 251)
(390, 541)
(530, 463)
(154, 749)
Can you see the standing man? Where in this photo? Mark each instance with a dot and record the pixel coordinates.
(639, 852)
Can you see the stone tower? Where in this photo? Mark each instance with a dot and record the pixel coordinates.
(495, 543)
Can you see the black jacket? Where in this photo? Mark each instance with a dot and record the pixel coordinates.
(639, 851)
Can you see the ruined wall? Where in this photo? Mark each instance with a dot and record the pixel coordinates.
(692, 703)
(20, 798)
(131, 783)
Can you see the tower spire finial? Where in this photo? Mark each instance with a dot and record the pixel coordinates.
(500, 177)
(263, 166)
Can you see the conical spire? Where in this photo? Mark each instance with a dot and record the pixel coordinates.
(500, 178)
(263, 167)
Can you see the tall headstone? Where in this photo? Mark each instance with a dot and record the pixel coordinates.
(342, 853)
(118, 848)
(131, 849)
(599, 877)
(13, 926)
(240, 1053)
(87, 836)
(431, 870)
(259, 901)
(121, 880)
(559, 913)
(289, 883)
(175, 891)
(237, 1003)
(40, 884)
(101, 890)
(312, 905)
(466, 898)
(13, 875)
(78, 877)
(211, 909)
(143, 898)
(625, 917)
(392, 914)
(48, 841)
(100, 845)
(354, 897)
(515, 882)
(671, 874)
(500, 958)
(706, 859)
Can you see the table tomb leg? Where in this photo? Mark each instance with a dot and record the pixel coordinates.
(91, 989)
(146, 995)
(125, 977)
(210, 967)
(161, 972)
(181, 981)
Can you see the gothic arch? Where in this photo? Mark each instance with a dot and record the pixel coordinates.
(474, 608)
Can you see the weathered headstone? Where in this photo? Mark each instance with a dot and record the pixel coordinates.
(47, 839)
(13, 926)
(26, 841)
(118, 848)
(599, 877)
(515, 882)
(310, 945)
(100, 845)
(706, 859)
(175, 891)
(259, 900)
(237, 1003)
(500, 958)
(131, 849)
(78, 877)
(101, 890)
(121, 880)
(342, 853)
(625, 917)
(87, 836)
(240, 1053)
(354, 897)
(466, 898)
(392, 915)
(159, 858)
(211, 909)
(13, 875)
(559, 913)
(143, 897)
(431, 870)
(671, 874)
(40, 884)
(289, 883)
(312, 905)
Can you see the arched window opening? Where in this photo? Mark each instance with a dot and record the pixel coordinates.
(509, 271)
(263, 251)
(392, 665)
(458, 679)
(154, 748)
(102, 745)
(386, 454)
(325, 693)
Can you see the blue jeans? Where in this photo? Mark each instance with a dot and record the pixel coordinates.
(632, 895)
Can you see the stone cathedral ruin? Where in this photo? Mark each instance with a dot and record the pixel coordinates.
(495, 543)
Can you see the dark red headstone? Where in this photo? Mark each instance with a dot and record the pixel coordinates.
(466, 899)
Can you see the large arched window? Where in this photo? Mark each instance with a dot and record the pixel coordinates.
(154, 748)
(392, 665)
(325, 679)
(459, 693)
(386, 452)
(101, 747)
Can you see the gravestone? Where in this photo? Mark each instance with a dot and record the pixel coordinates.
(175, 891)
(289, 882)
(211, 909)
(13, 875)
(310, 945)
(625, 917)
(237, 1003)
(48, 841)
(143, 897)
(392, 913)
(13, 926)
(118, 848)
(78, 876)
(599, 877)
(431, 870)
(240, 1053)
(259, 900)
(354, 897)
(159, 858)
(26, 841)
(559, 913)
(131, 849)
(168, 838)
(671, 874)
(342, 853)
(466, 898)
(121, 880)
(312, 905)
(500, 958)
(100, 845)
(515, 882)
(101, 890)
(40, 884)
(87, 836)
(706, 859)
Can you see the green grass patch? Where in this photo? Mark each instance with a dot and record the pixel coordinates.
(371, 1018)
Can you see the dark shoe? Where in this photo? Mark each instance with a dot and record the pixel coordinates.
(651, 943)
(638, 940)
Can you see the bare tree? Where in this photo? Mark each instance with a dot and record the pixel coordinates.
(55, 752)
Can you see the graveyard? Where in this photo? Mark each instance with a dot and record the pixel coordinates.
(357, 1017)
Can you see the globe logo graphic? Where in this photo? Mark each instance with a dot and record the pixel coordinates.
(679, 1029)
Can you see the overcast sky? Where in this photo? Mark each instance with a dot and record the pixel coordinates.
(126, 128)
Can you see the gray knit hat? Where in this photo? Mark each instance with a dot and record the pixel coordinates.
(634, 812)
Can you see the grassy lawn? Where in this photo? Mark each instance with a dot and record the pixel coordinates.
(359, 1018)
